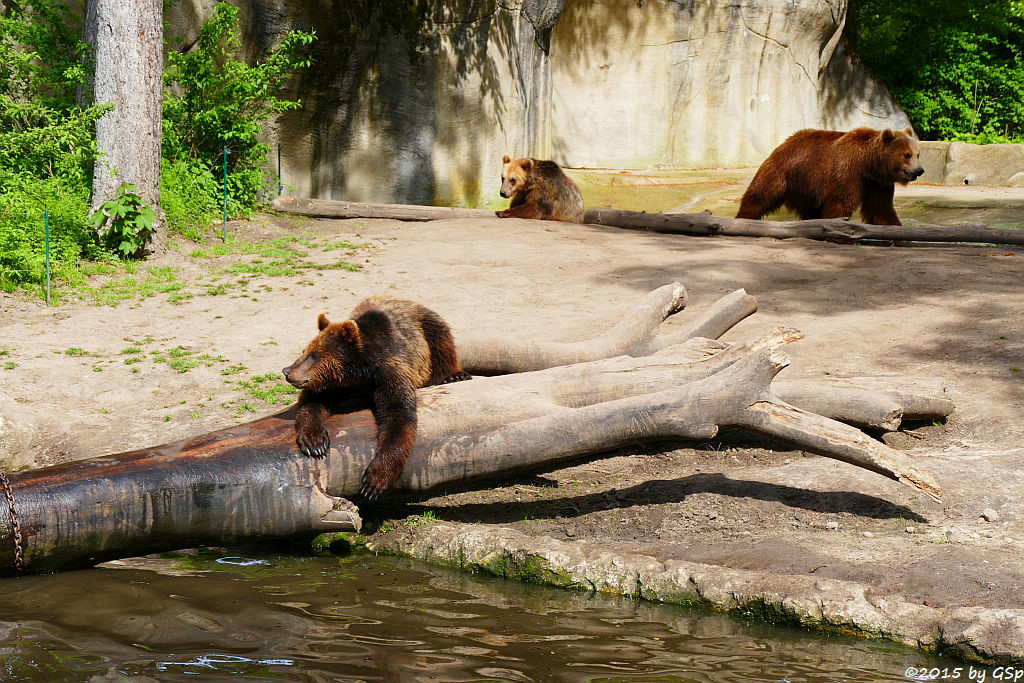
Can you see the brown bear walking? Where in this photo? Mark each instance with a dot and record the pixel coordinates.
(388, 349)
(828, 174)
(539, 189)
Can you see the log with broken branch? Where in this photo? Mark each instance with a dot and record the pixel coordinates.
(250, 481)
(698, 224)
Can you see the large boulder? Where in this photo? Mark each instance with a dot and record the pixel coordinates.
(421, 108)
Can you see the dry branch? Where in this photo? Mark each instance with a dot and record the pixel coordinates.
(632, 336)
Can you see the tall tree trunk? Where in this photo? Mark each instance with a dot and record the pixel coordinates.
(128, 48)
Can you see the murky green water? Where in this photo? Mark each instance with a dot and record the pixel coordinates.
(277, 617)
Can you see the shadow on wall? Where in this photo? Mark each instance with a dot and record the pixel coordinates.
(875, 105)
(410, 102)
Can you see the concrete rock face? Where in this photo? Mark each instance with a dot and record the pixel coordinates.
(424, 116)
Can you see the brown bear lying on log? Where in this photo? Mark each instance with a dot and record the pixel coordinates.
(388, 349)
(828, 174)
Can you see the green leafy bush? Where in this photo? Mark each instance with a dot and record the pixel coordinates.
(189, 197)
(23, 231)
(213, 99)
(125, 222)
(46, 144)
(956, 67)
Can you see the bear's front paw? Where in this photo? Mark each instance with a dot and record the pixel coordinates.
(501, 214)
(377, 478)
(313, 441)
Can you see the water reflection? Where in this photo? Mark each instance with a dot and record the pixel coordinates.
(385, 619)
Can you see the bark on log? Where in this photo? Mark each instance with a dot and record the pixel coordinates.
(829, 229)
(251, 481)
(699, 224)
(331, 208)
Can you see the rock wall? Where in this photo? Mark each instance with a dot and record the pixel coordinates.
(961, 163)
(424, 115)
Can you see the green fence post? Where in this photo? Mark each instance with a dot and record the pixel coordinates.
(46, 218)
(225, 232)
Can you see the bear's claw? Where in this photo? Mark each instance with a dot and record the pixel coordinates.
(375, 481)
(314, 447)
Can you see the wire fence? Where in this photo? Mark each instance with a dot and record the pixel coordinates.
(44, 215)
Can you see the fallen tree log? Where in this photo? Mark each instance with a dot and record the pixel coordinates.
(697, 224)
(332, 208)
(829, 229)
(250, 480)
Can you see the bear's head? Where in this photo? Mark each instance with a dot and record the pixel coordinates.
(514, 173)
(902, 155)
(333, 359)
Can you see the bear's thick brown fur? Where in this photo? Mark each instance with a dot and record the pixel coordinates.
(828, 174)
(539, 189)
(388, 349)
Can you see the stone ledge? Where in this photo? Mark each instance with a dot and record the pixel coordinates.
(971, 633)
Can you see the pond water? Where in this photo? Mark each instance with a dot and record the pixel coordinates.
(220, 616)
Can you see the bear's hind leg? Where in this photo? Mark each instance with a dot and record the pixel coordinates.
(444, 362)
(764, 196)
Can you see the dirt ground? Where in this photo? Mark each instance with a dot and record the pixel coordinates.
(940, 320)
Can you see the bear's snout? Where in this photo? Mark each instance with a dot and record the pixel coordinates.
(914, 173)
(505, 193)
(286, 372)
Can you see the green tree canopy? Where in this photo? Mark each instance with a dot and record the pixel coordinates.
(956, 67)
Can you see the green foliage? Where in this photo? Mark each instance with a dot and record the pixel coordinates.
(124, 222)
(23, 230)
(214, 99)
(188, 196)
(46, 143)
(956, 67)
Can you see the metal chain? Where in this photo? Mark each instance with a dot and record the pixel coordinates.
(19, 560)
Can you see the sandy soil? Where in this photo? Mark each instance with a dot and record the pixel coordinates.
(932, 320)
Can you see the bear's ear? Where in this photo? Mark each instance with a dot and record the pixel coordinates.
(888, 136)
(910, 131)
(322, 322)
(527, 164)
(505, 159)
(348, 331)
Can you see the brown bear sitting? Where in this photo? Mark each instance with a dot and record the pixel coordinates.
(388, 349)
(828, 174)
(539, 189)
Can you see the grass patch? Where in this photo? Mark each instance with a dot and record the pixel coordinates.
(269, 388)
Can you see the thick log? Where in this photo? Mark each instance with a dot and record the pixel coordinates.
(829, 229)
(330, 208)
(250, 481)
(699, 224)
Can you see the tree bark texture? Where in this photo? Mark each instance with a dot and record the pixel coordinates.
(251, 481)
(128, 49)
(698, 224)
